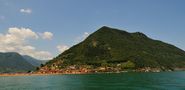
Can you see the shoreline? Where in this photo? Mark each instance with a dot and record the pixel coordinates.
(27, 74)
(77, 73)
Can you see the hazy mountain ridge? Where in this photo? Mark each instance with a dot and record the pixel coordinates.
(13, 62)
(33, 61)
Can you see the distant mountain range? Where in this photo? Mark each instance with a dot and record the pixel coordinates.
(119, 50)
(33, 61)
(12, 62)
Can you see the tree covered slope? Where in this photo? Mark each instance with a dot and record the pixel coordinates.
(14, 62)
(112, 47)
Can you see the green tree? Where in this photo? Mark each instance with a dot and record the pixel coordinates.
(127, 65)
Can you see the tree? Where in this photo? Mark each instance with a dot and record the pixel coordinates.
(127, 65)
(37, 68)
(41, 65)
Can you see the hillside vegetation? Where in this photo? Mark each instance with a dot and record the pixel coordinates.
(13, 62)
(109, 47)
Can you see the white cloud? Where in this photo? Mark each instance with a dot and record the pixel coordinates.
(46, 35)
(62, 48)
(17, 36)
(81, 38)
(23, 33)
(31, 51)
(27, 10)
(85, 35)
(17, 40)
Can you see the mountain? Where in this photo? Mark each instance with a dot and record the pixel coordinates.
(33, 61)
(14, 62)
(119, 50)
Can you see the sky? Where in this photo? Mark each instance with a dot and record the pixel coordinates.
(45, 28)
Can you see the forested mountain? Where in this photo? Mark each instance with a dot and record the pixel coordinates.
(109, 47)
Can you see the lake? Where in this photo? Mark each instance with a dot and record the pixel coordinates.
(111, 81)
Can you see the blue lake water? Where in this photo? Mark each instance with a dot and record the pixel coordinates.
(122, 81)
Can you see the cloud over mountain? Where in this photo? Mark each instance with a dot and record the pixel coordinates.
(81, 38)
(17, 40)
(62, 48)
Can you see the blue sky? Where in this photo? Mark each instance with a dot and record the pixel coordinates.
(70, 21)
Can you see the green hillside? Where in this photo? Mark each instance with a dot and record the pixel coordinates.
(116, 48)
(14, 62)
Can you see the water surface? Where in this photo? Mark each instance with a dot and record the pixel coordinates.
(122, 81)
